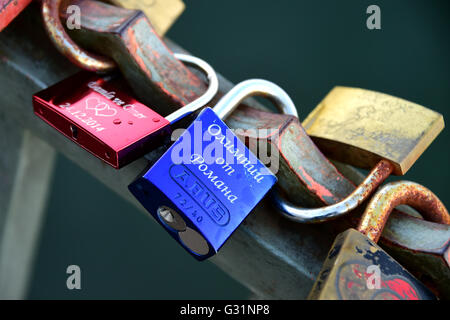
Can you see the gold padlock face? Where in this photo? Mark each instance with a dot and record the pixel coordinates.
(161, 13)
(358, 269)
(361, 127)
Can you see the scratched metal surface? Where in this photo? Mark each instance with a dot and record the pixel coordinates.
(344, 276)
(273, 265)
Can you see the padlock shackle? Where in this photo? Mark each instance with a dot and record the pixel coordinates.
(255, 87)
(65, 45)
(213, 87)
(398, 193)
(315, 215)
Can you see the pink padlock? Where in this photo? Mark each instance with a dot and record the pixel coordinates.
(102, 117)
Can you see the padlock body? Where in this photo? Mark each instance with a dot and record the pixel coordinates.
(100, 115)
(210, 179)
(361, 127)
(358, 269)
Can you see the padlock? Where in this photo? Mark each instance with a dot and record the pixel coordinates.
(104, 119)
(357, 268)
(304, 174)
(369, 130)
(361, 127)
(10, 9)
(207, 182)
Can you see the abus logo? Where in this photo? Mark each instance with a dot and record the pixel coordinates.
(197, 191)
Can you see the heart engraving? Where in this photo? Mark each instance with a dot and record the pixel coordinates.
(101, 109)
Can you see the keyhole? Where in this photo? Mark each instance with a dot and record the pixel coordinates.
(171, 218)
(74, 131)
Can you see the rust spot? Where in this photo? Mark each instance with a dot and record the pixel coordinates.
(62, 41)
(321, 191)
(399, 193)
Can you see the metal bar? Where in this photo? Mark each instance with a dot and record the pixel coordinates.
(23, 219)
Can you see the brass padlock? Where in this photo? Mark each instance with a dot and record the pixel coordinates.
(357, 268)
(361, 127)
(366, 129)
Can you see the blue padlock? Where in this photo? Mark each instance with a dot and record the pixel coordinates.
(208, 181)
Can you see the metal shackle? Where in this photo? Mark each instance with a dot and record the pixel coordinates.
(397, 193)
(315, 215)
(65, 45)
(213, 87)
(255, 87)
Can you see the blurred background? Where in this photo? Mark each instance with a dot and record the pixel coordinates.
(307, 47)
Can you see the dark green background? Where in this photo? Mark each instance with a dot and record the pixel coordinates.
(307, 47)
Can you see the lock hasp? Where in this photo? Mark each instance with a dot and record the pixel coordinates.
(361, 127)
